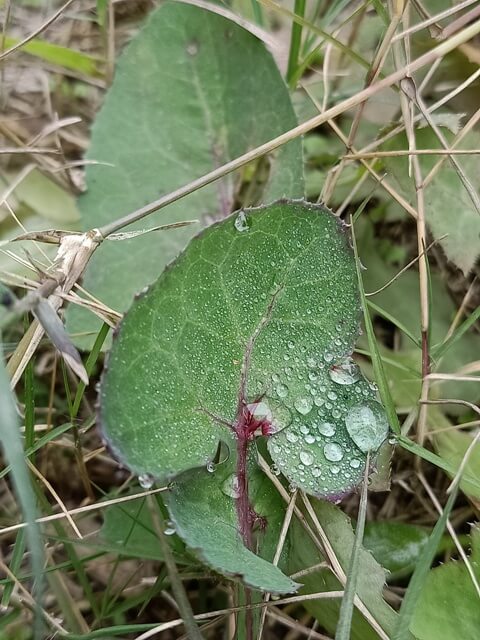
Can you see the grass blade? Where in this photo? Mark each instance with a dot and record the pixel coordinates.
(14, 454)
(346, 608)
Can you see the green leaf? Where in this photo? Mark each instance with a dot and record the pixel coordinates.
(395, 545)
(444, 194)
(447, 606)
(261, 305)
(192, 91)
(202, 507)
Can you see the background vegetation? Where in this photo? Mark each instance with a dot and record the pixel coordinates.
(386, 94)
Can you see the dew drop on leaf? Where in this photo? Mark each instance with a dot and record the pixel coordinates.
(367, 427)
(346, 372)
(169, 529)
(241, 223)
(146, 480)
(230, 486)
(303, 405)
(326, 429)
(306, 458)
(333, 452)
(282, 390)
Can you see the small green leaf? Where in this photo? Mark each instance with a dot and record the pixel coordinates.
(395, 545)
(261, 305)
(448, 606)
(182, 103)
(202, 507)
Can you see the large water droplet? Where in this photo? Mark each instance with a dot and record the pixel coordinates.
(260, 411)
(230, 486)
(241, 223)
(333, 451)
(355, 463)
(326, 429)
(282, 390)
(346, 372)
(303, 405)
(306, 457)
(309, 438)
(367, 427)
(146, 480)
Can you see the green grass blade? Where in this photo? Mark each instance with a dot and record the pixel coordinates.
(441, 349)
(435, 459)
(378, 369)
(15, 566)
(394, 321)
(346, 608)
(61, 56)
(295, 41)
(421, 571)
(90, 363)
(14, 454)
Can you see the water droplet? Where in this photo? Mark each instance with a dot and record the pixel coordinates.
(311, 362)
(146, 480)
(282, 390)
(303, 405)
(346, 372)
(290, 344)
(306, 457)
(292, 487)
(275, 470)
(291, 436)
(326, 429)
(355, 463)
(169, 529)
(316, 472)
(328, 357)
(331, 395)
(309, 438)
(312, 376)
(230, 486)
(260, 411)
(367, 427)
(241, 223)
(334, 469)
(333, 451)
(319, 401)
(275, 377)
(210, 467)
(304, 429)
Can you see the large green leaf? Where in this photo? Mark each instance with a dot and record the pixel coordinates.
(192, 91)
(271, 292)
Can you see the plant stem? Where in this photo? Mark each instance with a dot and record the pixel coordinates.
(295, 42)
